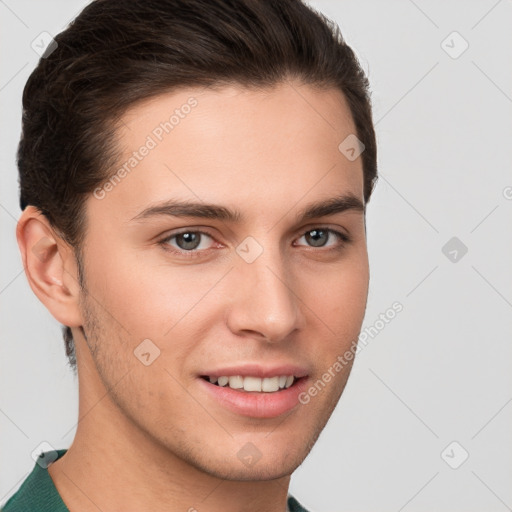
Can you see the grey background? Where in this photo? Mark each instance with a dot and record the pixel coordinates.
(441, 370)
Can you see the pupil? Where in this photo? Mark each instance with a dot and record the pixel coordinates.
(191, 240)
(314, 235)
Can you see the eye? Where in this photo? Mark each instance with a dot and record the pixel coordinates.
(318, 237)
(191, 243)
(188, 243)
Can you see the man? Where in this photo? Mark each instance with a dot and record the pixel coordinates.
(194, 177)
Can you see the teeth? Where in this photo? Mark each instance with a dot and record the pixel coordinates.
(223, 381)
(252, 384)
(266, 385)
(236, 382)
(270, 384)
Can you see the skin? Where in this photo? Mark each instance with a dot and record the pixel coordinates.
(148, 436)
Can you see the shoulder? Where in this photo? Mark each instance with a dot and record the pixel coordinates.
(37, 492)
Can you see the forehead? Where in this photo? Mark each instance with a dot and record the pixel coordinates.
(231, 143)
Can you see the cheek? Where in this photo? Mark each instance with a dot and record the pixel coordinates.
(150, 298)
(338, 295)
(337, 302)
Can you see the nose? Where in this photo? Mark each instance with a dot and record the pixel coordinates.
(264, 302)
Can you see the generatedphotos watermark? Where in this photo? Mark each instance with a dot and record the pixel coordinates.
(152, 140)
(356, 346)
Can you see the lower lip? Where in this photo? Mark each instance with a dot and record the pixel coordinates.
(254, 404)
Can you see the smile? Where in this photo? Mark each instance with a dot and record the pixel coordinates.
(253, 384)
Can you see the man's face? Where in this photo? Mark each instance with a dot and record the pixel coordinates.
(266, 296)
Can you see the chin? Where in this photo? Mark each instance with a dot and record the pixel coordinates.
(270, 466)
(258, 472)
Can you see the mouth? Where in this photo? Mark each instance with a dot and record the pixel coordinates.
(253, 384)
(266, 396)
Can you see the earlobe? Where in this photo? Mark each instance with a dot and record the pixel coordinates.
(50, 266)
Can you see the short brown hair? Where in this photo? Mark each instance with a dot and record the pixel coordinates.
(118, 52)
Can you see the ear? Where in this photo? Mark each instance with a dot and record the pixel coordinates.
(50, 267)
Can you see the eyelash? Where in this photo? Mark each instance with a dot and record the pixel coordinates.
(194, 253)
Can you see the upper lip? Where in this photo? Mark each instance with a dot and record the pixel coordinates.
(257, 370)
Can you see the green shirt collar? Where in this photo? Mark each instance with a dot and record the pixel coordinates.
(38, 492)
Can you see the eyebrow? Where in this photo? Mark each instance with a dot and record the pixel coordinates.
(174, 208)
